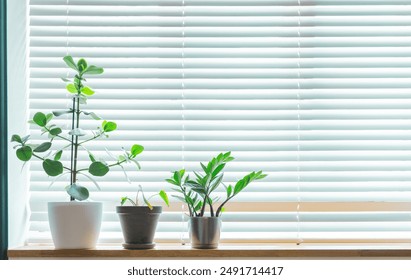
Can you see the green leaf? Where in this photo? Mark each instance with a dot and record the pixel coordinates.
(78, 192)
(91, 157)
(109, 126)
(164, 196)
(70, 62)
(124, 200)
(229, 190)
(81, 65)
(52, 167)
(216, 182)
(200, 191)
(24, 153)
(177, 177)
(262, 176)
(59, 113)
(217, 170)
(182, 172)
(16, 138)
(171, 181)
(87, 91)
(43, 147)
(49, 117)
(55, 131)
(204, 167)
(58, 155)
(239, 186)
(94, 70)
(98, 168)
(136, 149)
(40, 119)
(71, 88)
(65, 80)
(198, 206)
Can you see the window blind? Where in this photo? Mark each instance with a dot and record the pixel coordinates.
(314, 93)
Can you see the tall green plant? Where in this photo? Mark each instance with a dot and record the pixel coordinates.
(75, 137)
(197, 194)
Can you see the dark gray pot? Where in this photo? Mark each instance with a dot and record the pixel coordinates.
(139, 225)
(205, 232)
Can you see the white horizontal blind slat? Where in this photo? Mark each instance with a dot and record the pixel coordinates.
(320, 102)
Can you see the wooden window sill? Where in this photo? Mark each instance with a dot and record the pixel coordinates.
(224, 251)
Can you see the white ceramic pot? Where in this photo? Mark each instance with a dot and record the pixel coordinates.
(75, 225)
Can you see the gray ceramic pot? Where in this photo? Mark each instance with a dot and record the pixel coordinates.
(205, 232)
(138, 224)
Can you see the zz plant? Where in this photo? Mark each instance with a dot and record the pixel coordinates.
(197, 194)
(75, 138)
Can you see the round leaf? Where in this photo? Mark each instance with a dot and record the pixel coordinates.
(136, 149)
(94, 70)
(55, 131)
(82, 65)
(71, 88)
(52, 167)
(87, 91)
(109, 126)
(40, 119)
(24, 153)
(78, 192)
(98, 168)
(43, 147)
(70, 62)
(16, 138)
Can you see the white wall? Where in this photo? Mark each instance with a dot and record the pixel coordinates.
(17, 34)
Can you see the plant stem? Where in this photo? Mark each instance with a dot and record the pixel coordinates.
(95, 137)
(72, 148)
(221, 206)
(64, 138)
(211, 210)
(111, 165)
(75, 144)
(204, 205)
(43, 159)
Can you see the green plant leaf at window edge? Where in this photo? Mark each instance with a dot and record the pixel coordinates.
(24, 153)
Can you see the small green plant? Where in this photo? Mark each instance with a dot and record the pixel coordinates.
(197, 194)
(75, 138)
(163, 195)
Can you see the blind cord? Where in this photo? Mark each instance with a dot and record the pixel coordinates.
(184, 225)
(299, 239)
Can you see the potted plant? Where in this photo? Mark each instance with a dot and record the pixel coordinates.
(139, 220)
(197, 194)
(74, 224)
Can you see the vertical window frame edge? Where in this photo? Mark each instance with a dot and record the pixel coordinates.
(3, 132)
